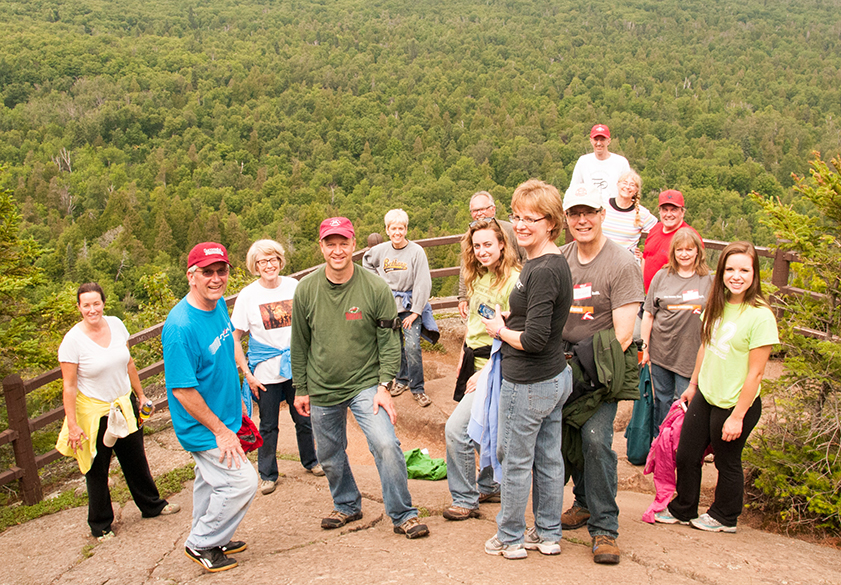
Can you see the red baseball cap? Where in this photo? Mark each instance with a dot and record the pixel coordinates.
(671, 197)
(600, 130)
(336, 225)
(207, 253)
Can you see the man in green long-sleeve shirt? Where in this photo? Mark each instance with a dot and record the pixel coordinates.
(345, 350)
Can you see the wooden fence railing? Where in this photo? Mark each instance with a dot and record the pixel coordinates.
(15, 389)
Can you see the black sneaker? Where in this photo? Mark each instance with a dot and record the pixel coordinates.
(212, 559)
(233, 547)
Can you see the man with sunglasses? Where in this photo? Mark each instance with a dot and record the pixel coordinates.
(482, 207)
(607, 292)
(601, 167)
(203, 388)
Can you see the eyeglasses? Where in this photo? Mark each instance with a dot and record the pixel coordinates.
(477, 210)
(482, 222)
(628, 184)
(526, 220)
(266, 261)
(210, 273)
(590, 214)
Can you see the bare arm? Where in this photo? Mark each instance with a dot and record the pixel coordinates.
(496, 328)
(242, 363)
(76, 434)
(383, 398)
(136, 385)
(645, 333)
(226, 439)
(690, 391)
(757, 358)
(624, 318)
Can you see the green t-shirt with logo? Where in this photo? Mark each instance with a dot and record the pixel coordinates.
(740, 329)
(485, 291)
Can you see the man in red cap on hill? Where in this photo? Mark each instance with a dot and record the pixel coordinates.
(656, 253)
(203, 387)
(601, 167)
(345, 351)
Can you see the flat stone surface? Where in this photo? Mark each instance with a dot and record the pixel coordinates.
(287, 545)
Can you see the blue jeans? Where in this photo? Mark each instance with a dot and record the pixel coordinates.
(269, 403)
(529, 449)
(330, 426)
(595, 488)
(668, 386)
(411, 360)
(461, 459)
(221, 497)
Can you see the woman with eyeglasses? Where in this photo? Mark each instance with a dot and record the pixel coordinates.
(98, 372)
(671, 323)
(490, 268)
(536, 380)
(263, 311)
(724, 404)
(625, 219)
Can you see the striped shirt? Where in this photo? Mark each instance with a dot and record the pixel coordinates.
(619, 224)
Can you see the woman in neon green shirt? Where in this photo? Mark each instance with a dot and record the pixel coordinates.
(738, 333)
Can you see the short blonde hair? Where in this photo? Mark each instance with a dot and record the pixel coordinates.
(541, 198)
(267, 247)
(396, 216)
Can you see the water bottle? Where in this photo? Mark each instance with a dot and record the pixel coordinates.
(145, 412)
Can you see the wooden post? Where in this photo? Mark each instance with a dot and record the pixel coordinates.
(15, 394)
(779, 276)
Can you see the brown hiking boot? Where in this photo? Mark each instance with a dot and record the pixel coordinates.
(338, 519)
(605, 551)
(459, 513)
(412, 528)
(575, 517)
(493, 498)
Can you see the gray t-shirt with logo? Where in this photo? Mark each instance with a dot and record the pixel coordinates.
(676, 303)
(609, 281)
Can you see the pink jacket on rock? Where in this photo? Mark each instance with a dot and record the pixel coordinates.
(661, 461)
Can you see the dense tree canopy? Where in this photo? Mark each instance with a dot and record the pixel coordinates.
(132, 130)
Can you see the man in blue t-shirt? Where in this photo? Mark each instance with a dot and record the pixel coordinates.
(204, 400)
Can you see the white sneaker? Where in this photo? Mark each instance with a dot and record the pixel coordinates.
(509, 551)
(534, 542)
(710, 524)
(267, 486)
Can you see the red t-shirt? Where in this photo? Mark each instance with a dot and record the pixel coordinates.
(656, 252)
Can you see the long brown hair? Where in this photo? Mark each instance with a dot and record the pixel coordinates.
(473, 269)
(687, 235)
(719, 293)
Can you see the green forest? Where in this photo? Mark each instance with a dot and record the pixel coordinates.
(130, 131)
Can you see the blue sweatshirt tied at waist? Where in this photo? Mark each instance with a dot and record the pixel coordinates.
(259, 353)
(484, 416)
(429, 328)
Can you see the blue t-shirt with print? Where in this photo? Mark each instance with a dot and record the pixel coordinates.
(199, 353)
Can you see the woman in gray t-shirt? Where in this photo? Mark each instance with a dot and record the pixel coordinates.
(671, 324)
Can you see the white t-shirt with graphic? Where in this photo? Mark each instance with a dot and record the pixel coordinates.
(266, 314)
(604, 174)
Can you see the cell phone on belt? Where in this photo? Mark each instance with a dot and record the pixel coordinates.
(485, 311)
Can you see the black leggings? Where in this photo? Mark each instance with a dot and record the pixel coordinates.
(131, 454)
(701, 428)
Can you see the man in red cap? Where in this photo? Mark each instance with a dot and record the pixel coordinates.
(203, 387)
(345, 351)
(656, 253)
(601, 167)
